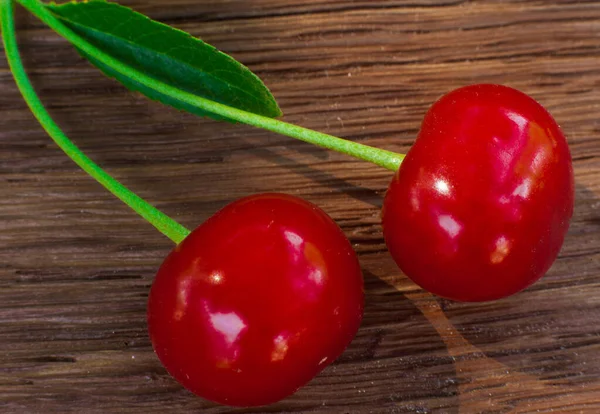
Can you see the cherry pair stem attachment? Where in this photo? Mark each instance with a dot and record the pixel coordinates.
(163, 223)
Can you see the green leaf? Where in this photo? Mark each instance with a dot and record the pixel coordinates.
(168, 55)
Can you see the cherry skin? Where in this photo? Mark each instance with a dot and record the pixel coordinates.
(481, 204)
(256, 301)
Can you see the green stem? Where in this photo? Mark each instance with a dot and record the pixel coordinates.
(386, 159)
(162, 222)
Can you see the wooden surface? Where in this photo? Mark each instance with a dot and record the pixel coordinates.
(76, 264)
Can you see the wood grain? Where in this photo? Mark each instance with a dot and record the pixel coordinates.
(76, 265)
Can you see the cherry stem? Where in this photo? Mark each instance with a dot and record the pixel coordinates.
(166, 225)
(383, 158)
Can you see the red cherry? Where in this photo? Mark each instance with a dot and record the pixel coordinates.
(480, 206)
(256, 301)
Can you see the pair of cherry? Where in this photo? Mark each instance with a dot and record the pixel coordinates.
(266, 293)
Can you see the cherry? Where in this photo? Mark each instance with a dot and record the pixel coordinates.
(256, 301)
(480, 205)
